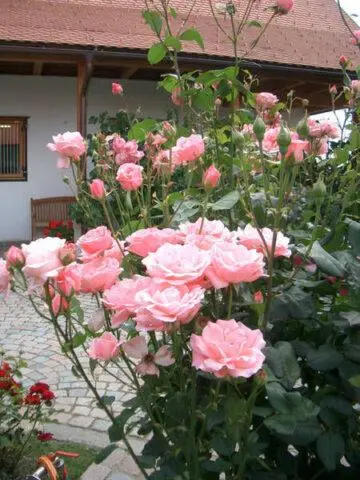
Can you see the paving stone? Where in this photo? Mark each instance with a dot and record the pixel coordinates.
(118, 476)
(81, 411)
(80, 421)
(85, 401)
(61, 417)
(114, 459)
(95, 472)
(98, 413)
(101, 425)
(77, 392)
(129, 466)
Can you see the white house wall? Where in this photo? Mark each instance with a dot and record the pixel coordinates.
(50, 104)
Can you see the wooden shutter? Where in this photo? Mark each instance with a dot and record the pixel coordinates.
(13, 145)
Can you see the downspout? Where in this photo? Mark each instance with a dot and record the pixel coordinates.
(84, 103)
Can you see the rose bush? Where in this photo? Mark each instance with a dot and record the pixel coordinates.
(226, 270)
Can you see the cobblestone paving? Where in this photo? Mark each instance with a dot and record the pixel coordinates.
(23, 331)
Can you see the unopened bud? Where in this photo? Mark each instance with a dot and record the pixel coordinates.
(284, 139)
(66, 180)
(302, 128)
(305, 102)
(259, 128)
(319, 190)
(238, 138)
(97, 321)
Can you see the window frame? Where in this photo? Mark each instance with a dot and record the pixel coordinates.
(23, 176)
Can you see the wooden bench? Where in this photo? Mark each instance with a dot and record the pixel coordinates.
(45, 209)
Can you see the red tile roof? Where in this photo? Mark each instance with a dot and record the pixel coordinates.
(312, 35)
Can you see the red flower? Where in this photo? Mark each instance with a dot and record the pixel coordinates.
(331, 279)
(5, 366)
(39, 387)
(44, 436)
(32, 399)
(297, 260)
(5, 385)
(46, 232)
(343, 292)
(69, 224)
(48, 395)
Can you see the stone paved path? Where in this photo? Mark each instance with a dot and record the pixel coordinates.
(23, 331)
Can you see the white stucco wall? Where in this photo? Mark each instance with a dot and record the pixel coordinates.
(50, 103)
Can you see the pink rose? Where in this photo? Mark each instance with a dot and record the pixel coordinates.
(250, 238)
(137, 348)
(59, 305)
(115, 251)
(125, 152)
(176, 97)
(99, 274)
(333, 89)
(188, 149)
(297, 148)
(95, 241)
(42, 259)
(147, 240)
(355, 40)
(266, 100)
(258, 297)
(14, 257)
(355, 86)
(4, 277)
(68, 280)
(284, 6)
(97, 189)
(116, 88)
(104, 348)
(232, 263)
(120, 298)
(167, 303)
(69, 145)
(67, 253)
(269, 143)
(211, 177)
(228, 348)
(129, 176)
(177, 264)
(212, 231)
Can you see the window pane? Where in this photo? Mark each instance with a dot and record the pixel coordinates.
(10, 139)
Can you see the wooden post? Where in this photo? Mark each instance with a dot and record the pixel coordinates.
(84, 72)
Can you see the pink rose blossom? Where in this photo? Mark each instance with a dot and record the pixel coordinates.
(266, 100)
(321, 129)
(117, 251)
(250, 238)
(125, 152)
(42, 260)
(104, 348)
(97, 189)
(177, 264)
(355, 86)
(99, 274)
(212, 231)
(167, 303)
(211, 177)
(176, 97)
(333, 89)
(95, 241)
(116, 88)
(228, 348)
(137, 348)
(68, 280)
(297, 148)
(69, 145)
(67, 253)
(284, 6)
(59, 305)
(258, 297)
(147, 240)
(120, 298)
(269, 143)
(14, 257)
(4, 277)
(129, 176)
(188, 149)
(232, 263)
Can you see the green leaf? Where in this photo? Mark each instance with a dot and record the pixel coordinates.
(326, 262)
(292, 403)
(254, 23)
(330, 447)
(173, 42)
(227, 202)
(223, 445)
(156, 53)
(92, 365)
(105, 452)
(173, 12)
(282, 360)
(219, 465)
(106, 400)
(169, 83)
(77, 340)
(324, 359)
(75, 372)
(139, 130)
(202, 100)
(116, 430)
(284, 424)
(75, 307)
(193, 35)
(154, 20)
(294, 303)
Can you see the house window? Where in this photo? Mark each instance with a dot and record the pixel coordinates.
(13, 155)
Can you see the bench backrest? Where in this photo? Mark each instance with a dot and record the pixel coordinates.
(45, 209)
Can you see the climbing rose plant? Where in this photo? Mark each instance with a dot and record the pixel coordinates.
(226, 272)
